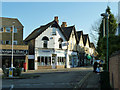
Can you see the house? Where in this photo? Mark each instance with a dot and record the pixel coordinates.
(72, 39)
(9, 26)
(86, 42)
(80, 48)
(92, 52)
(48, 45)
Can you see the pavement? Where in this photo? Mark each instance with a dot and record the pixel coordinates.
(92, 82)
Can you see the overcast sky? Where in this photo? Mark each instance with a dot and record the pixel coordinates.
(34, 14)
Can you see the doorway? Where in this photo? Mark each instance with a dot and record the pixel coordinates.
(31, 64)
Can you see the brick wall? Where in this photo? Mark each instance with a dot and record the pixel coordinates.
(114, 69)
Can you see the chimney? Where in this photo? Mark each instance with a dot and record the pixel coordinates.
(64, 24)
(56, 19)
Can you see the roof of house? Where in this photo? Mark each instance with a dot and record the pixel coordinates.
(4, 21)
(92, 45)
(79, 34)
(41, 29)
(68, 31)
(85, 37)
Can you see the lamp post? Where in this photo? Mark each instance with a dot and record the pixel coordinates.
(11, 68)
(107, 16)
(12, 44)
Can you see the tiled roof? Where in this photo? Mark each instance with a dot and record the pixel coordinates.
(41, 29)
(79, 34)
(68, 31)
(92, 45)
(85, 37)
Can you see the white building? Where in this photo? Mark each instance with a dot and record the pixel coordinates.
(49, 45)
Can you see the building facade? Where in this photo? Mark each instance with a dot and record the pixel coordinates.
(54, 46)
(80, 48)
(72, 38)
(49, 46)
(7, 26)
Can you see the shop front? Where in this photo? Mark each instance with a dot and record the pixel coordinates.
(19, 55)
(50, 59)
(73, 59)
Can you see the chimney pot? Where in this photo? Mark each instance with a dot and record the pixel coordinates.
(56, 19)
(64, 24)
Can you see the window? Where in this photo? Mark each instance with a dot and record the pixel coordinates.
(15, 42)
(45, 41)
(1, 42)
(1, 29)
(45, 44)
(60, 42)
(7, 42)
(15, 30)
(54, 31)
(8, 29)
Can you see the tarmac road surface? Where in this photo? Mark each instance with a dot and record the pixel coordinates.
(64, 78)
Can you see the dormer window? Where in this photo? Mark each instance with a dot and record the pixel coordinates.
(45, 41)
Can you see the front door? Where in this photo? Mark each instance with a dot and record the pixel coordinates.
(31, 64)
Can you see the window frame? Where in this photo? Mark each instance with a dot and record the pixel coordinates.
(8, 41)
(15, 30)
(14, 42)
(6, 29)
(1, 29)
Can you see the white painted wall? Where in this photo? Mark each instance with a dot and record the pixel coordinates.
(52, 43)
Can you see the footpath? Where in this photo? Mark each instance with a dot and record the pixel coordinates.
(92, 82)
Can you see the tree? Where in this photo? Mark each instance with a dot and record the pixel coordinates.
(101, 44)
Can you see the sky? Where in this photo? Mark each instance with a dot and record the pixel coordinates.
(34, 14)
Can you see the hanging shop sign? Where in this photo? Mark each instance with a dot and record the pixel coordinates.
(9, 51)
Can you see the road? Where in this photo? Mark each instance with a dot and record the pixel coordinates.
(65, 78)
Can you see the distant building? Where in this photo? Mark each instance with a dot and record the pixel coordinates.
(72, 39)
(80, 48)
(19, 49)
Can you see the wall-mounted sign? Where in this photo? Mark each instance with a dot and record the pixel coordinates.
(31, 56)
(9, 51)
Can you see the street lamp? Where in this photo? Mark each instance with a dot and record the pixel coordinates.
(107, 16)
(12, 43)
(11, 68)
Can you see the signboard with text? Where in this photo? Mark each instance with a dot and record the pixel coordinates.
(9, 51)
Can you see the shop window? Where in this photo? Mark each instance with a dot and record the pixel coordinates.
(45, 41)
(49, 61)
(38, 60)
(7, 42)
(8, 29)
(46, 62)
